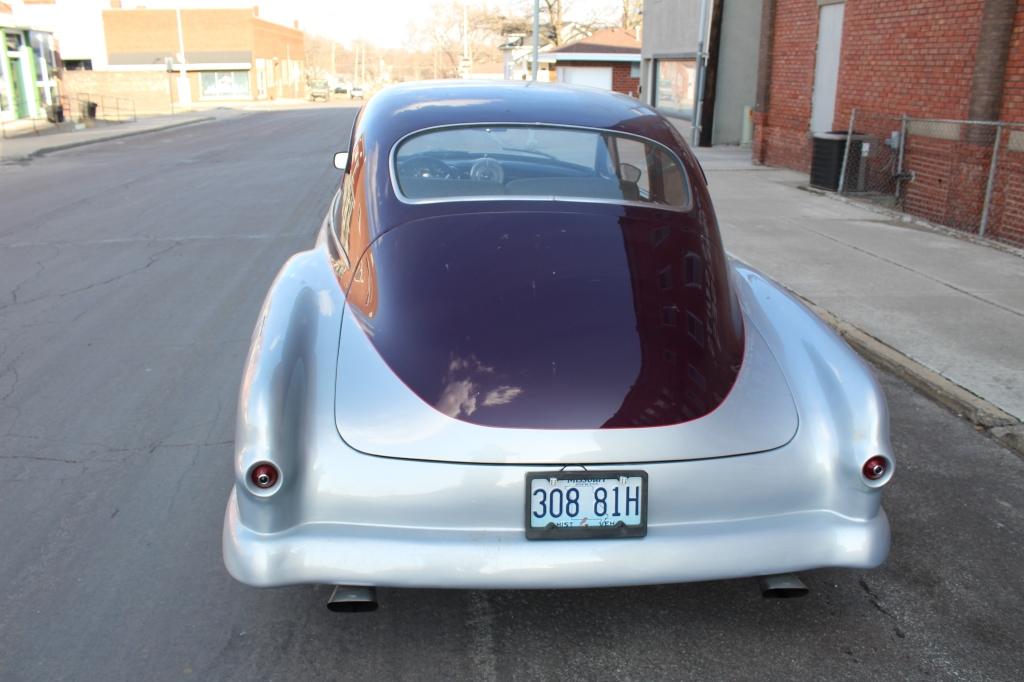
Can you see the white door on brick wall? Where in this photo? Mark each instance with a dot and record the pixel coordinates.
(826, 67)
(594, 76)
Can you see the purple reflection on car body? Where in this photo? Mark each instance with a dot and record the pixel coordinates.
(564, 319)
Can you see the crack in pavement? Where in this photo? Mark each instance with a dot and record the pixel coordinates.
(152, 259)
(40, 268)
(873, 598)
(920, 273)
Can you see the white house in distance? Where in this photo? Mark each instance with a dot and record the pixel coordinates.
(608, 59)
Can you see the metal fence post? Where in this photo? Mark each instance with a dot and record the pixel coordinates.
(846, 152)
(900, 153)
(986, 212)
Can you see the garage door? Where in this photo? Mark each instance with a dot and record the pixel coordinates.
(594, 76)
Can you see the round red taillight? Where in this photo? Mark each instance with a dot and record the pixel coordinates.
(875, 468)
(264, 476)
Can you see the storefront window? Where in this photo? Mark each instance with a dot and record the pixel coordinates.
(224, 83)
(45, 66)
(674, 86)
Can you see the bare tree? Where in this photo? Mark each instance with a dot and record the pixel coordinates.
(556, 28)
(632, 15)
(318, 56)
(443, 36)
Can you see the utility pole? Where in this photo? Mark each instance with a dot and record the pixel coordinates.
(465, 31)
(536, 39)
(466, 64)
(702, 61)
(288, 66)
(184, 90)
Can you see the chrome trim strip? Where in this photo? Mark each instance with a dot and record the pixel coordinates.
(393, 169)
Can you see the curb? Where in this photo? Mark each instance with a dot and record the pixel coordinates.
(1001, 425)
(116, 136)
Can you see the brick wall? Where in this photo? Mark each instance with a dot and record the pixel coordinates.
(1007, 220)
(908, 56)
(128, 31)
(782, 139)
(898, 56)
(218, 29)
(211, 36)
(915, 57)
(623, 82)
(151, 91)
(1013, 93)
(154, 30)
(274, 40)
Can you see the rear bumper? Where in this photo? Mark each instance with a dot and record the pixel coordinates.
(504, 559)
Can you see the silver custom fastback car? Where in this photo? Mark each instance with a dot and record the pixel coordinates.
(518, 357)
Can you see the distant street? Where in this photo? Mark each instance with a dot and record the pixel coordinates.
(131, 273)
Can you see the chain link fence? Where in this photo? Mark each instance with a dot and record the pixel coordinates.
(968, 175)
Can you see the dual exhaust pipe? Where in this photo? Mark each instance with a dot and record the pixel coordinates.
(353, 599)
(782, 586)
(362, 599)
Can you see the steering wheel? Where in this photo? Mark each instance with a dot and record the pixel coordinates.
(426, 167)
(487, 170)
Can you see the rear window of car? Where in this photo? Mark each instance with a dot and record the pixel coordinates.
(537, 162)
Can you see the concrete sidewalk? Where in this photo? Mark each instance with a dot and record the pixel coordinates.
(29, 146)
(954, 306)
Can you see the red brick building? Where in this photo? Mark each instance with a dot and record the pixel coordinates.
(163, 59)
(953, 60)
(609, 59)
(228, 53)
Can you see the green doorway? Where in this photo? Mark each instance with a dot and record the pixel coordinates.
(18, 87)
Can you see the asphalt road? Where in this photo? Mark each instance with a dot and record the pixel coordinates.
(130, 277)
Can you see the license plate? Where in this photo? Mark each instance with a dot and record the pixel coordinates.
(567, 505)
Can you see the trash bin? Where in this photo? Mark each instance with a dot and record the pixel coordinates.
(55, 113)
(88, 110)
(827, 160)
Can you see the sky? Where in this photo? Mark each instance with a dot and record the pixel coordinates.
(386, 23)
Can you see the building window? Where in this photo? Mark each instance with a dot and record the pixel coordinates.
(13, 41)
(227, 84)
(692, 271)
(674, 81)
(634, 70)
(78, 65)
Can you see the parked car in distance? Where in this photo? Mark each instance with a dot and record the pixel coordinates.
(340, 89)
(517, 356)
(319, 89)
(356, 92)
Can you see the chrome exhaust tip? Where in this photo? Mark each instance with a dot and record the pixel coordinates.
(782, 586)
(353, 599)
